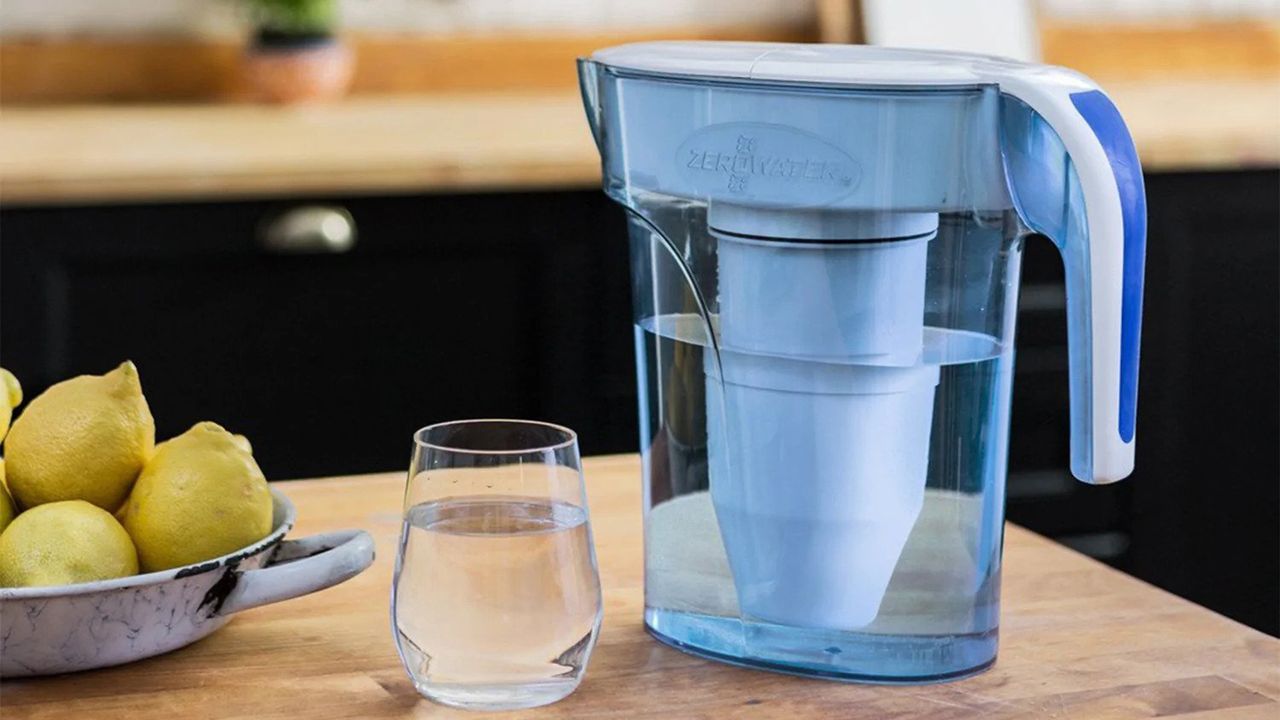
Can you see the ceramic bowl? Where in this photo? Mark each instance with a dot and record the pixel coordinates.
(65, 628)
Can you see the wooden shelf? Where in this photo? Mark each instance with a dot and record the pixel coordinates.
(440, 143)
(470, 142)
(1164, 51)
(87, 70)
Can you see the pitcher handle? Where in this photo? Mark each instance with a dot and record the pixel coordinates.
(1075, 177)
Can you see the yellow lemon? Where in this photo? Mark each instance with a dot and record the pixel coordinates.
(200, 496)
(65, 542)
(7, 510)
(10, 398)
(83, 439)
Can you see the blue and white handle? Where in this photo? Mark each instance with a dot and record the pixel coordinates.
(1075, 177)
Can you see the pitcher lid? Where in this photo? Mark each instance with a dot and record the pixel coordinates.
(806, 63)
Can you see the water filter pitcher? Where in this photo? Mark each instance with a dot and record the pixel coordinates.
(825, 246)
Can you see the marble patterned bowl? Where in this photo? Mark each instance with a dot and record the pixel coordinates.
(48, 630)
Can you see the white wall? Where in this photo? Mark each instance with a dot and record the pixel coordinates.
(992, 27)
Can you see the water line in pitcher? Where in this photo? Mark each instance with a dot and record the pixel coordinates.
(942, 349)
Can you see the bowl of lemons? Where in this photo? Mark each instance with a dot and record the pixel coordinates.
(114, 548)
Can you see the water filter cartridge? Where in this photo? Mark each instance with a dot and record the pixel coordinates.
(834, 286)
(817, 478)
(819, 408)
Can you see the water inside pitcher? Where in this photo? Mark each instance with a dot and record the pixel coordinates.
(840, 514)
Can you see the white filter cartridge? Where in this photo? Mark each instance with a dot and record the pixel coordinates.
(820, 412)
(848, 286)
(817, 478)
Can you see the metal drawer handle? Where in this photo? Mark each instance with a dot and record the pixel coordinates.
(309, 229)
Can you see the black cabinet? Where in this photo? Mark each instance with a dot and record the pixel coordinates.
(1200, 515)
(446, 307)
(518, 305)
(1206, 503)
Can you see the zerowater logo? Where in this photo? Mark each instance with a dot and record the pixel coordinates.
(776, 162)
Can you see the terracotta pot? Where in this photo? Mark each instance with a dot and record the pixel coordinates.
(308, 70)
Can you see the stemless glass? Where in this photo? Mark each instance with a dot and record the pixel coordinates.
(496, 599)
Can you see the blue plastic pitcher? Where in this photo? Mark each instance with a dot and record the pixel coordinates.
(825, 244)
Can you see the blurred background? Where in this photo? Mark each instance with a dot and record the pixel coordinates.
(325, 224)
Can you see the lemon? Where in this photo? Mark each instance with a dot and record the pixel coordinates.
(10, 398)
(83, 439)
(65, 542)
(7, 510)
(200, 496)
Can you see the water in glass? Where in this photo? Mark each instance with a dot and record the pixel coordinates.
(496, 599)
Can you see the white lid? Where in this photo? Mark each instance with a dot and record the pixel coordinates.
(806, 63)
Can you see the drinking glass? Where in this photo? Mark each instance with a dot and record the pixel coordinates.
(496, 599)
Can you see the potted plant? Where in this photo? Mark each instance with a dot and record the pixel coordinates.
(294, 55)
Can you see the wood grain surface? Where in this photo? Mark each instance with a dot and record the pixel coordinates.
(471, 142)
(82, 69)
(429, 143)
(1187, 49)
(1079, 640)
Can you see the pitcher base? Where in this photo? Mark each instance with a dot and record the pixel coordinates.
(831, 654)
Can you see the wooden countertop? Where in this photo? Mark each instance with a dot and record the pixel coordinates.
(470, 142)
(1078, 640)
